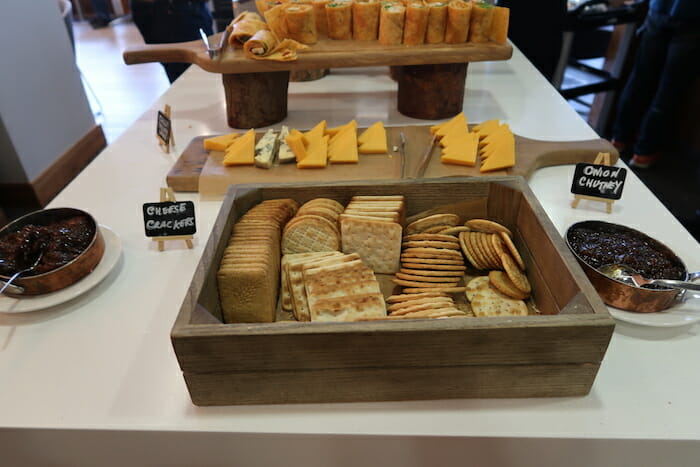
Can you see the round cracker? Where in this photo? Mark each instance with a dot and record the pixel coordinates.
(322, 211)
(488, 250)
(488, 226)
(431, 272)
(413, 296)
(515, 274)
(431, 260)
(327, 202)
(421, 285)
(513, 250)
(501, 281)
(435, 252)
(454, 231)
(476, 285)
(433, 267)
(422, 306)
(431, 221)
(443, 298)
(430, 237)
(421, 278)
(430, 244)
(468, 250)
(415, 290)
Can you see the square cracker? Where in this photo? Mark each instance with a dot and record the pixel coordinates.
(352, 308)
(377, 242)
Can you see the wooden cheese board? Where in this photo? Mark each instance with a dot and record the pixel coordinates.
(430, 77)
(197, 170)
(326, 53)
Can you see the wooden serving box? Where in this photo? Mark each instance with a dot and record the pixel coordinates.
(556, 352)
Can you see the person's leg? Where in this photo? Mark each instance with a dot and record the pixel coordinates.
(681, 68)
(641, 84)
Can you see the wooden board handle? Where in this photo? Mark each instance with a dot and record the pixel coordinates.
(550, 153)
(166, 53)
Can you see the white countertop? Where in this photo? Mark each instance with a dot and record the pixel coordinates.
(95, 381)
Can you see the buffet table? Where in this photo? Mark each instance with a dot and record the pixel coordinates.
(94, 381)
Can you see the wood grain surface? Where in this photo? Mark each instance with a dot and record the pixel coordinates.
(326, 53)
(196, 170)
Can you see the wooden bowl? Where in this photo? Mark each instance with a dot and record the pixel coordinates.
(65, 274)
(619, 294)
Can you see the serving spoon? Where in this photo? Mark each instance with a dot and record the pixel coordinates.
(17, 289)
(630, 276)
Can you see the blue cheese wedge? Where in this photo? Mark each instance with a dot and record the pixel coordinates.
(285, 153)
(266, 150)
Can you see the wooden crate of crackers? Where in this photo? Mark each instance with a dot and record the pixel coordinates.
(391, 290)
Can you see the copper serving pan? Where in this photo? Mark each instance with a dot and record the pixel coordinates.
(624, 296)
(62, 276)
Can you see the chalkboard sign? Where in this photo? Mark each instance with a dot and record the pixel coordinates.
(164, 128)
(600, 181)
(169, 218)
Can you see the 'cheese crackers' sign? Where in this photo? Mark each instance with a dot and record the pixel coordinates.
(600, 181)
(169, 218)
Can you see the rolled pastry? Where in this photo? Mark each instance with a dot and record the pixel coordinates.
(499, 27)
(480, 23)
(321, 20)
(265, 46)
(437, 22)
(458, 16)
(416, 23)
(365, 20)
(391, 22)
(339, 17)
(244, 26)
(275, 20)
(301, 23)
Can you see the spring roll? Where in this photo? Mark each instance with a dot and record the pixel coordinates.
(301, 23)
(275, 20)
(458, 16)
(499, 26)
(339, 17)
(244, 26)
(321, 20)
(416, 23)
(365, 20)
(480, 23)
(437, 21)
(391, 22)
(264, 5)
(265, 46)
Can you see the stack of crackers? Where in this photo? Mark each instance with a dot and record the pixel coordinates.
(248, 275)
(431, 261)
(330, 286)
(371, 227)
(314, 228)
(422, 305)
(489, 246)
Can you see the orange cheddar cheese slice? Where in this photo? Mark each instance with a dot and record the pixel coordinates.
(462, 152)
(316, 154)
(295, 141)
(484, 128)
(335, 130)
(342, 149)
(242, 150)
(315, 133)
(441, 129)
(373, 140)
(219, 143)
(500, 152)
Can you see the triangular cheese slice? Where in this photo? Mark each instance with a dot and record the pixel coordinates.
(316, 154)
(484, 128)
(242, 150)
(219, 143)
(502, 154)
(342, 149)
(335, 130)
(315, 133)
(441, 129)
(464, 153)
(295, 141)
(373, 140)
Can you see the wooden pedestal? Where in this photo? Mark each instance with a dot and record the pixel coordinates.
(254, 100)
(431, 92)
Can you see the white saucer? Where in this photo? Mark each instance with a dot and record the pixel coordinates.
(113, 250)
(681, 314)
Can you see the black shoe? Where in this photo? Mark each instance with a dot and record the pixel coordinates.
(99, 23)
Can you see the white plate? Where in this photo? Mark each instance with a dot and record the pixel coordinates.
(682, 314)
(113, 250)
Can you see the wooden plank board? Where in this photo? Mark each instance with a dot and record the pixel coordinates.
(326, 53)
(196, 170)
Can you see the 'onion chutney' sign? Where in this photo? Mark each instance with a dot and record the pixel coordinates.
(169, 218)
(600, 181)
